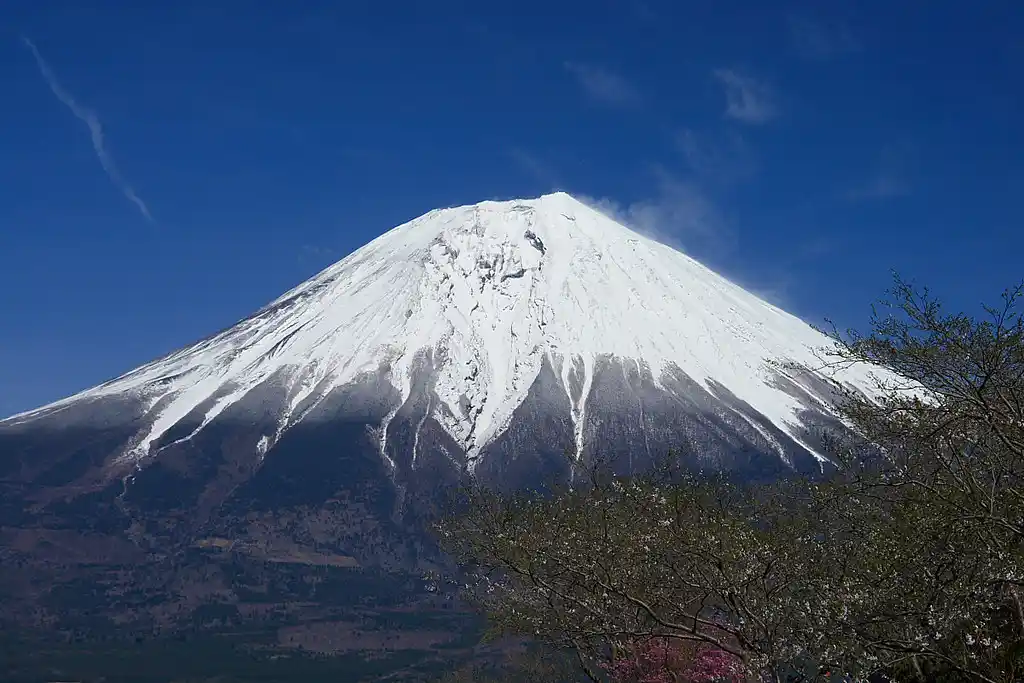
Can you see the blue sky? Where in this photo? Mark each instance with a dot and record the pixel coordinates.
(167, 168)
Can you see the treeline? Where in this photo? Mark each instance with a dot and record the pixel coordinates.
(905, 564)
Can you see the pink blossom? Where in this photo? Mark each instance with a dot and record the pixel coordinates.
(663, 660)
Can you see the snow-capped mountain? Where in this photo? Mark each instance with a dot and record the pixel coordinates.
(518, 341)
(464, 317)
(297, 456)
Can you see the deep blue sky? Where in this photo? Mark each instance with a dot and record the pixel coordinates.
(806, 150)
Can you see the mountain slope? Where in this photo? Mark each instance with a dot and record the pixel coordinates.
(281, 467)
(490, 297)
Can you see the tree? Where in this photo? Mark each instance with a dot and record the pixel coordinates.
(906, 562)
(950, 424)
(664, 660)
(673, 556)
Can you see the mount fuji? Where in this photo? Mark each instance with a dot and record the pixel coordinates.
(513, 341)
(467, 321)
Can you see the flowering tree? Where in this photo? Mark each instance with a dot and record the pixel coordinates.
(690, 559)
(661, 660)
(941, 588)
(907, 562)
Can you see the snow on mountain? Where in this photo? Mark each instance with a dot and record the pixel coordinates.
(491, 291)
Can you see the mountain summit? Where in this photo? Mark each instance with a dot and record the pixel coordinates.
(457, 318)
(520, 342)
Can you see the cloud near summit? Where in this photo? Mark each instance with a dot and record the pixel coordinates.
(678, 213)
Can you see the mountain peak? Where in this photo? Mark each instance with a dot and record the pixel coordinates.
(480, 299)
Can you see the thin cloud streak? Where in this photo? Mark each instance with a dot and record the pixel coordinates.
(88, 117)
(747, 99)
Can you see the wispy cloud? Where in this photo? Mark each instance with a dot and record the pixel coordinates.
(747, 99)
(718, 159)
(89, 118)
(779, 292)
(679, 214)
(819, 40)
(686, 215)
(604, 86)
